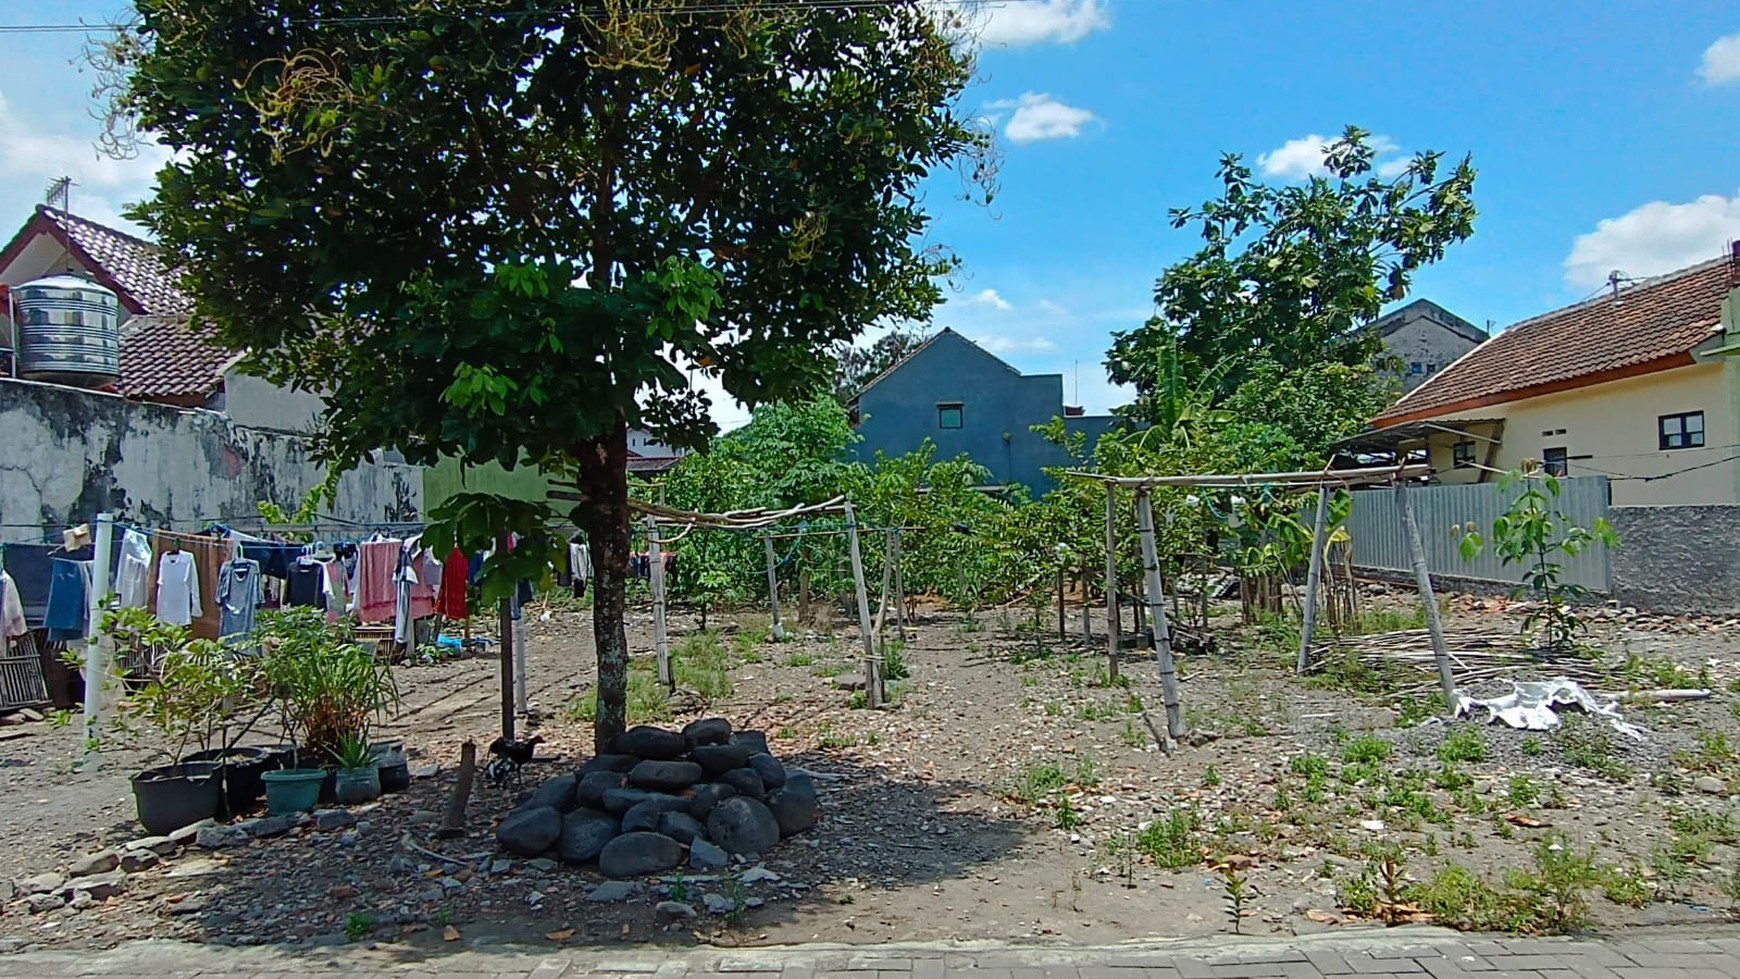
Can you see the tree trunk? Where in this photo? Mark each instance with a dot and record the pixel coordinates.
(604, 480)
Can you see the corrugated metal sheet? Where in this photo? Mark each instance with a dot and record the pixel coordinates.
(1380, 542)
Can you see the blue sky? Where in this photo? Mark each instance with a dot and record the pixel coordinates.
(1606, 135)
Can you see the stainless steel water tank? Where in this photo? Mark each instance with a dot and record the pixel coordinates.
(69, 331)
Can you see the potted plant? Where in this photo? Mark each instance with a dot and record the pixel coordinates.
(359, 777)
(326, 689)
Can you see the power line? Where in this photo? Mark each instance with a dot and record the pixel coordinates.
(705, 7)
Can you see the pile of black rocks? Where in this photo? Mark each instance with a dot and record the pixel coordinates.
(661, 798)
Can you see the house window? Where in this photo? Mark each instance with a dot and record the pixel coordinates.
(1556, 462)
(950, 414)
(1413, 367)
(1683, 431)
(1462, 454)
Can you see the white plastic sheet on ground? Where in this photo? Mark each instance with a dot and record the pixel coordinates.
(1530, 706)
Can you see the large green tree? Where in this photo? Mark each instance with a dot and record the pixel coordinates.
(1291, 274)
(511, 230)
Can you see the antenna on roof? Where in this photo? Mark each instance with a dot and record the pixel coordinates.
(58, 194)
(1613, 279)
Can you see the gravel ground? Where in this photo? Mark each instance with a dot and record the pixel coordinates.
(1006, 796)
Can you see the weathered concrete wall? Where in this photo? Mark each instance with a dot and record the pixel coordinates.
(1678, 559)
(67, 454)
(256, 403)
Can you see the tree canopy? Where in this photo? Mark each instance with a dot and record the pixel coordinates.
(511, 232)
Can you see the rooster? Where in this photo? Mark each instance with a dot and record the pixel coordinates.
(508, 755)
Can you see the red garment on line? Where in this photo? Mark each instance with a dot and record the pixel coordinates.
(450, 601)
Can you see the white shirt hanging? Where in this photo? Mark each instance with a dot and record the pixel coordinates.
(178, 588)
(133, 579)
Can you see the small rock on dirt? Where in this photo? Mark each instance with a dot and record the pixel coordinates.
(718, 903)
(163, 846)
(42, 883)
(542, 865)
(746, 782)
(665, 776)
(100, 862)
(707, 796)
(635, 854)
(266, 827)
(705, 856)
(584, 834)
(44, 903)
(796, 807)
(101, 886)
(556, 793)
(674, 910)
(612, 891)
(1710, 785)
(849, 681)
(216, 837)
(333, 819)
(134, 861)
(681, 826)
(768, 767)
(187, 834)
(530, 832)
(646, 741)
(743, 825)
(759, 874)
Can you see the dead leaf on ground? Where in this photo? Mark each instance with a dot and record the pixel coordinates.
(1526, 822)
(1325, 917)
(450, 934)
(561, 935)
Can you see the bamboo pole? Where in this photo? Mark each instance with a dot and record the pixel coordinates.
(1114, 622)
(1156, 601)
(900, 586)
(655, 559)
(778, 629)
(887, 583)
(1423, 577)
(874, 694)
(1314, 580)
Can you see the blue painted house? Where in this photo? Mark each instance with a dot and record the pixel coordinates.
(967, 401)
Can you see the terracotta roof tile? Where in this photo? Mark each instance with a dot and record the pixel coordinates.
(167, 358)
(136, 265)
(1660, 319)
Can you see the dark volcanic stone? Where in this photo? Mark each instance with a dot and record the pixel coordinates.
(584, 833)
(708, 796)
(647, 741)
(743, 826)
(607, 763)
(746, 782)
(529, 832)
(717, 759)
(768, 767)
(619, 801)
(709, 730)
(635, 854)
(665, 776)
(795, 806)
(590, 791)
(755, 741)
(556, 793)
(681, 826)
(644, 816)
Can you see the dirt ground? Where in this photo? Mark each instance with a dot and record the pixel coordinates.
(1012, 792)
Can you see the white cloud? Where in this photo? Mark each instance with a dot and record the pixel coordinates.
(1654, 238)
(1039, 116)
(1053, 308)
(1015, 345)
(31, 156)
(990, 297)
(1721, 61)
(1027, 22)
(1297, 159)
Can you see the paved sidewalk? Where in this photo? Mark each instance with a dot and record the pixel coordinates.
(1405, 953)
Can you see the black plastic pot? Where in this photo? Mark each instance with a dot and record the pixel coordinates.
(242, 768)
(174, 796)
(394, 766)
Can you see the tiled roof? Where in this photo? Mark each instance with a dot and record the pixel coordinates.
(134, 264)
(1651, 326)
(638, 463)
(168, 358)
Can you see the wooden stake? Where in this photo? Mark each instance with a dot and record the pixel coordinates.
(899, 586)
(1423, 578)
(1062, 621)
(887, 583)
(655, 558)
(1314, 579)
(874, 694)
(505, 622)
(773, 589)
(1114, 622)
(1156, 602)
(453, 821)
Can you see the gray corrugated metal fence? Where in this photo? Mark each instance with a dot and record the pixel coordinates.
(1380, 544)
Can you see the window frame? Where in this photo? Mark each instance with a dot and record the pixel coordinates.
(1684, 433)
(1456, 452)
(960, 410)
(1563, 463)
